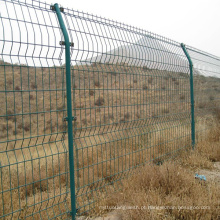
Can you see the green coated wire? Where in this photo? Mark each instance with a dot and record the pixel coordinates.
(129, 90)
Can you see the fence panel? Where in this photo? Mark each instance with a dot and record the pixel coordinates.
(206, 89)
(131, 99)
(34, 171)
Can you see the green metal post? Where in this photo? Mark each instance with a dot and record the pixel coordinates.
(191, 94)
(69, 110)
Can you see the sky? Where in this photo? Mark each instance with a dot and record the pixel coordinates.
(193, 22)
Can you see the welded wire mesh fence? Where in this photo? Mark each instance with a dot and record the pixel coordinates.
(131, 98)
(34, 169)
(206, 89)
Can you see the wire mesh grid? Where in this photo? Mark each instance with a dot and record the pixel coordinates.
(206, 89)
(34, 157)
(130, 98)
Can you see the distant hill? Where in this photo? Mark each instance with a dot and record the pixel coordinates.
(146, 52)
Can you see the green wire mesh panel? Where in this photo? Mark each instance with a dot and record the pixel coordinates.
(131, 99)
(33, 154)
(206, 89)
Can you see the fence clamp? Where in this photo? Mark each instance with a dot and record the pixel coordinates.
(73, 118)
(53, 8)
(63, 43)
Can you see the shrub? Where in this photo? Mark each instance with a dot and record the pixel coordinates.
(31, 97)
(99, 101)
(91, 92)
(182, 96)
(150, 80)
(217, 113)
(10, 114)
(176, 83)
(17, 88)
(26, 127)
(33, 86)
(165, 111)
(97, 83)
(166, 77)
(202, 105)
(127, 116)
(144, 87)
(211, 97)
(145, 68)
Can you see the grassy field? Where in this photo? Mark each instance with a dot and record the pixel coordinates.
(126, 116)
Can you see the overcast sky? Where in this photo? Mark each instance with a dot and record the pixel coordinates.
(193, 22)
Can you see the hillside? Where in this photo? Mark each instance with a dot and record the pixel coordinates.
(34, 101)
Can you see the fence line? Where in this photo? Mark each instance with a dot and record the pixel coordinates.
(118, 96)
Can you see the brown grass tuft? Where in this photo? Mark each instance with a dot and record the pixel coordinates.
(176, 83)
(99, 101)
(17, 88)
(150, 80)
(165, 110)
(144, 87)
(182, 97)
(31, 97)
(202, 105)
(217, 113)
(127, 116)
(91, 92)
(211, 97)
(33, 86)
(97, 83)
(10, 115)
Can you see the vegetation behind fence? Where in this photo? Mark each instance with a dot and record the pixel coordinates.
(86, 100)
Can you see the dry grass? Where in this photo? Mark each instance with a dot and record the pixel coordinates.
(91, 92)
(144, 87)
(150, 80)
(171, 185)
(165, 111)
(182, 96)
(97, 83)
(99, 101)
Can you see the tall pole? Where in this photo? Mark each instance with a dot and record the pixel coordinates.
(69, 110)
(191, 95)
